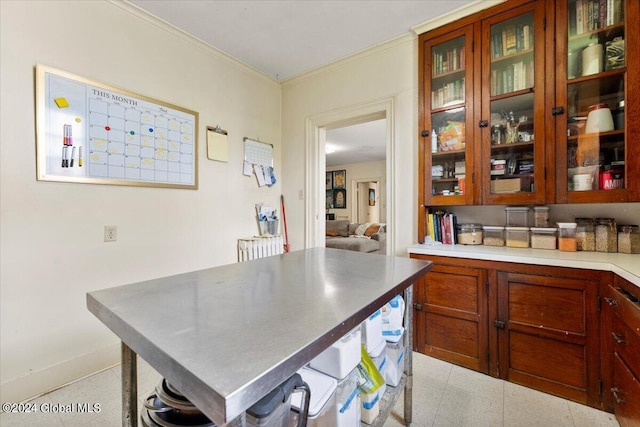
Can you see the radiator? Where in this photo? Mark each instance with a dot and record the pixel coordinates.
(260, 247)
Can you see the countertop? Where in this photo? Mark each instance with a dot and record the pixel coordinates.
(624, 265)
(226, 336)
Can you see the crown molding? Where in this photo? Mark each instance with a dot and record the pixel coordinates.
(380, 47)
(454, 15)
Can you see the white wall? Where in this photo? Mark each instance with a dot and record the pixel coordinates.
(387, 71)
(52, 249)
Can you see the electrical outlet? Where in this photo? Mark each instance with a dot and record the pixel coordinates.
(110, 233)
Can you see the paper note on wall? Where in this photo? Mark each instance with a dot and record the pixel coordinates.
(217, 144)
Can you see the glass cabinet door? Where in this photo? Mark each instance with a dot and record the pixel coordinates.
(594, 124)
(447, 133)
(513, 157)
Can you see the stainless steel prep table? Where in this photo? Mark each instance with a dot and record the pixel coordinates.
(227, 336)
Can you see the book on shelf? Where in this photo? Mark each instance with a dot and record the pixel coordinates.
(510, 40)
(591, 15)
(441, 227)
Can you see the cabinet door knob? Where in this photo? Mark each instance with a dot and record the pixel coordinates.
(611, 301)
(417, 306)
(424, 133)
(483, 123)
(616, 395)
(499, 324)
(618, 338)
(557, 111)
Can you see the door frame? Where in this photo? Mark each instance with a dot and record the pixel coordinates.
(315, 164)
(354, 193)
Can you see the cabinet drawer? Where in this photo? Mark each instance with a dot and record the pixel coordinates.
(626, 390)
(625, 304)
(626, 344)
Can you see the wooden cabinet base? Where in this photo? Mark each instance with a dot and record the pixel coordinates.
(531, 325)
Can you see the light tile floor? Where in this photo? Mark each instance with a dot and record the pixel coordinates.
(443, 395)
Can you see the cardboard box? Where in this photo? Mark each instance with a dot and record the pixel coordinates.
(510, 185)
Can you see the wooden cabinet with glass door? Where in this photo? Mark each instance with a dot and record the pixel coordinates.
(446, 111)
(598, 154)
(513, 81)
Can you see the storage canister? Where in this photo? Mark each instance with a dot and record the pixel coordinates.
(629, 239)
(493, 235)
(585, 234)
(469, 234)
(606, 235)
(567, 236)
(517, 237)
(517, 216)
(543, 238)
(541, 216)
(322, 406)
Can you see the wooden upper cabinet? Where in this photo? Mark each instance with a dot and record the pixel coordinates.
(529, 101)
(446, 118)
(597, 53)
(512, 130)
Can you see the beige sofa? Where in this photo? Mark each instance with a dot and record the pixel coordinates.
(341, 234)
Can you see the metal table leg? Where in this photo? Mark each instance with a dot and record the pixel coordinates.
(129, 387)
(408, 359)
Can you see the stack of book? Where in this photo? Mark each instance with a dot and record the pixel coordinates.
(441, 227)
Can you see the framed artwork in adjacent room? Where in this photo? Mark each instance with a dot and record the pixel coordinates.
(372, 197)
(340, 199)
(329, 181)
(339, 179)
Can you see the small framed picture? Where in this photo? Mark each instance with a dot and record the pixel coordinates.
(372, 197)
(339, 179)
(329, 181)
(340, 199)
(329, 201)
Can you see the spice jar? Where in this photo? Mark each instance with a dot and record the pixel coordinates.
(585, 234)
(567, 236)
(629, 239)
(606, 235)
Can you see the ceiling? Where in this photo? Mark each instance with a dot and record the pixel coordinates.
(287, 38)
(364, 142)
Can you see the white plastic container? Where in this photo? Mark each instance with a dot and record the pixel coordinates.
(393, 314)
(372, 333)
(348, 400)
(341, 357)
(370, 407)
(322, 406)
(381, 363)
(395, 362)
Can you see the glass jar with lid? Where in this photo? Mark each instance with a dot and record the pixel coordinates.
(606, 235)
(567, 236)
(629, 239)
(585, 234)
(469, 234)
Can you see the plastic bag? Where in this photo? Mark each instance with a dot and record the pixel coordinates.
(370, 378)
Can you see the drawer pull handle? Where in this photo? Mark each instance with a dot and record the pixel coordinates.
(618, 338)
(616, 392)
(611, 301)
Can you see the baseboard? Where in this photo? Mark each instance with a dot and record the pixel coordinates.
(51, 378)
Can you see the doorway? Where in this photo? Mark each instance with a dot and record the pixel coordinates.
(315, 162)
(367, 201)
